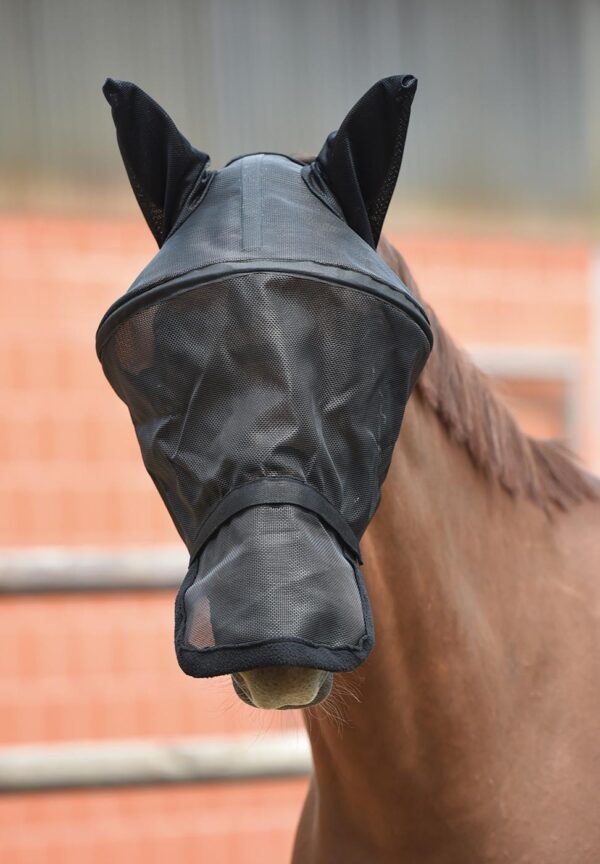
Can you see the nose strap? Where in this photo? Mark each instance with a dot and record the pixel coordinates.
(276, 490)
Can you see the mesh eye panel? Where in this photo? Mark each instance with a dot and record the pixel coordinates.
(273, 572)
(266, 375)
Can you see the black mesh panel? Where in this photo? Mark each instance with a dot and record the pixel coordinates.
(273, 572)
(266, 375)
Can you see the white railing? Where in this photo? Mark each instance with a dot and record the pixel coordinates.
(77, 765)
(64, 570)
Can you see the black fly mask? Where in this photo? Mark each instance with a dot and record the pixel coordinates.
(266, 355)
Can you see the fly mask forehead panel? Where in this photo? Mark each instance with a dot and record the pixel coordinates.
(266, 355)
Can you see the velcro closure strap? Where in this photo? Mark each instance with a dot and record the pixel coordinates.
(275, 490)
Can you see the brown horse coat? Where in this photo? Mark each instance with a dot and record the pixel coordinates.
(472, 733)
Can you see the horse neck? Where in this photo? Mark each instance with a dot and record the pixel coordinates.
(445, 570)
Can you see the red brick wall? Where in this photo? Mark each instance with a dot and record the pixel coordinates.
(209, 824)
(103, 666)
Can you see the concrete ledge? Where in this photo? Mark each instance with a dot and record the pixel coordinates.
(39, 768)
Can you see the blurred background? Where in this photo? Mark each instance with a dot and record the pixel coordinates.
(108, 752)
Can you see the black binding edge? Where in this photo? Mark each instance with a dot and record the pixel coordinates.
(275, 490)
(142, 296)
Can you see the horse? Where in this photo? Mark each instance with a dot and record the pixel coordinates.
(471, 732)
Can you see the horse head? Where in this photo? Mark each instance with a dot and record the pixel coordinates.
(266, 355)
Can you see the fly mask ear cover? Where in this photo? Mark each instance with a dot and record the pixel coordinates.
(266, 355)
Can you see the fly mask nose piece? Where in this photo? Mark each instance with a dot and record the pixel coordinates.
(266, 355)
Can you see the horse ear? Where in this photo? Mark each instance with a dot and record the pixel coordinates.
(167, 174)
(360, 162)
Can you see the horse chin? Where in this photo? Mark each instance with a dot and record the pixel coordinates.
(282, 687)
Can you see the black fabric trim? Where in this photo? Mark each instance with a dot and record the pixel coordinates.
(252, 204)
(132, 301)
(275, 490)
(317, 186)
(193, 204)
(211, 662)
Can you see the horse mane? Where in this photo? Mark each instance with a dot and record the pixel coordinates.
(459, 394)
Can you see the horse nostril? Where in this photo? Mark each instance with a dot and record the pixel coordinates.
(281, 687)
